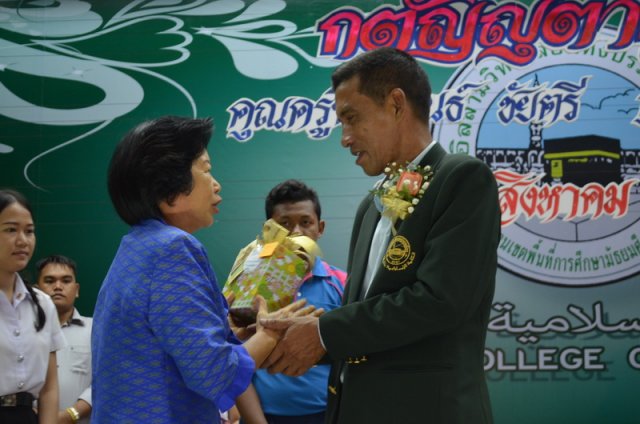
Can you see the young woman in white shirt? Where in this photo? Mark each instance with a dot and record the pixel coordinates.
(29, 329)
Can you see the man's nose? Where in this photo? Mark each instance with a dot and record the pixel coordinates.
(297, 229)
(346, 140)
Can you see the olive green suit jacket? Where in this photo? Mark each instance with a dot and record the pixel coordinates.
(412, 350)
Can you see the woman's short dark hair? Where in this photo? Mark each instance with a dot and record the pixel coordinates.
(384, 69)
(9, 197)
(291, 191)
(152, 163)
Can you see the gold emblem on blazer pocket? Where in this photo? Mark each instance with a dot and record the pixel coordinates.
(398, 255)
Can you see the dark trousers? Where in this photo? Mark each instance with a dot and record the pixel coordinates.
(18, 415)
(298, 419)
(295, 419)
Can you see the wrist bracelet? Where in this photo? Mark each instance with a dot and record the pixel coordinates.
(73, 412)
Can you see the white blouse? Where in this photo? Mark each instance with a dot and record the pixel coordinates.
(74, 363)
(24, 353)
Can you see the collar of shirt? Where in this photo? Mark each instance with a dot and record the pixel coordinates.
(20, 293)
(318, 270)
(423, 153)
(76, 319)
(415, 161)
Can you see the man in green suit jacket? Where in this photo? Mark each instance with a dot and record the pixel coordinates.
(408, 343)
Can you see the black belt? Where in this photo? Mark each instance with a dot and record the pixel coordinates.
(17, 399)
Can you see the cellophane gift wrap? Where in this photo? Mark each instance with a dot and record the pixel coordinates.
(273, 266)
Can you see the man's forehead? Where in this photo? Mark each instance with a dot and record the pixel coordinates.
(57, 269)
(348, 99)
(346, 103)
(343, 108)
(305, 207)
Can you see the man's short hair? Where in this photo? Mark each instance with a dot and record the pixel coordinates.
(56, 259)
(291, 191)
(152, 164)
(381, 70)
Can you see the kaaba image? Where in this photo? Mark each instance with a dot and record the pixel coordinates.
(583, 159)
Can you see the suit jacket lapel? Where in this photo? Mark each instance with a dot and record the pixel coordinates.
(361, 252)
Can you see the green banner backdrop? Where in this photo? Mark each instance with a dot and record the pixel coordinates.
(545, 92)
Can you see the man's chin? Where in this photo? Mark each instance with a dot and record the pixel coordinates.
(372, 172)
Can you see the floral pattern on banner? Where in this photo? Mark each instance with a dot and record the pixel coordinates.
(69, 46)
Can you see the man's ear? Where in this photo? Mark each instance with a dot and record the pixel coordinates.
(398, 101)
(320, 227)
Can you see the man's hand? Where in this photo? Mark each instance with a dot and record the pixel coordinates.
(300, 347)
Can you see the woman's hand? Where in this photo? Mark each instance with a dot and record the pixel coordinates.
(242, 333)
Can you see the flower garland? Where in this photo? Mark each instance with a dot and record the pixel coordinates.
(403, 188)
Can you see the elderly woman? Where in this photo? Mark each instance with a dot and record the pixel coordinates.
(30, 332)
(163, 350)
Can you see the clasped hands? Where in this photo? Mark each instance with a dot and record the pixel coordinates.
(296, 328)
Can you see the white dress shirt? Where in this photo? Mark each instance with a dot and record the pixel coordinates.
(24, 352)
(74, 362)
(380, 240)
